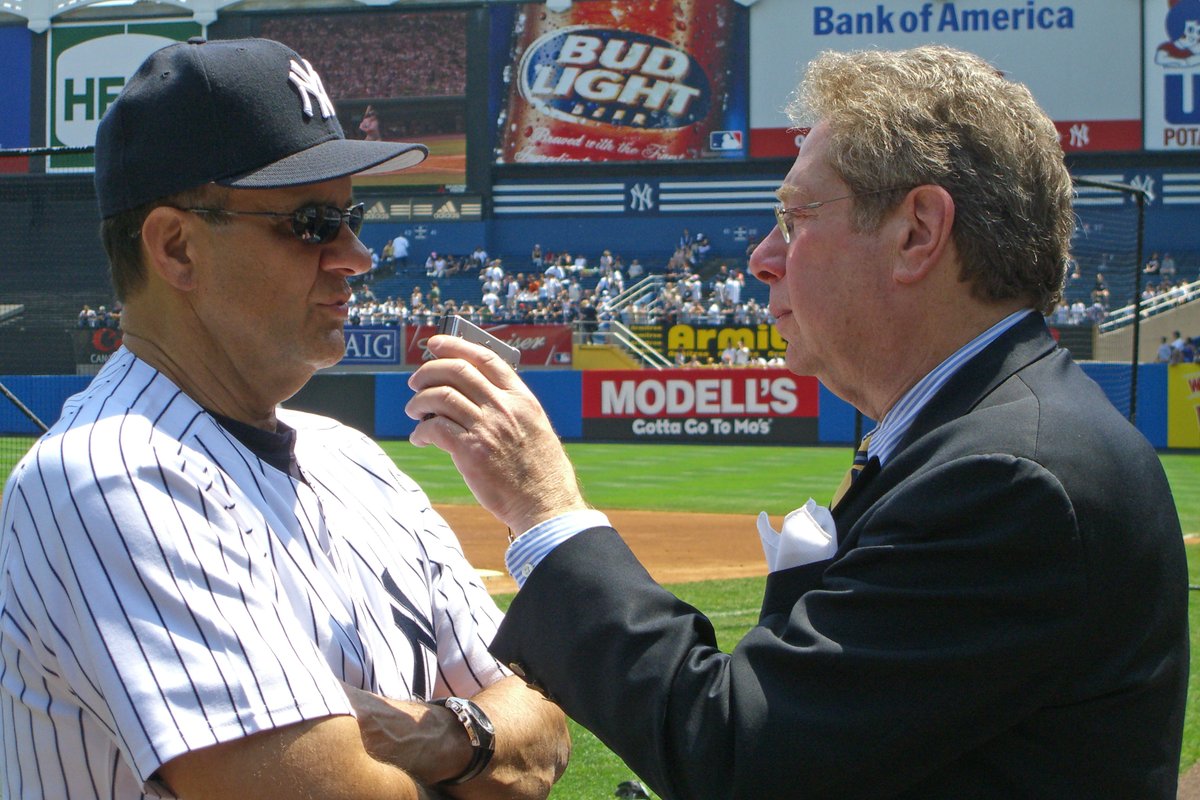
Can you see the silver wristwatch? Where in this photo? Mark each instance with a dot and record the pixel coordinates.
(479, 730)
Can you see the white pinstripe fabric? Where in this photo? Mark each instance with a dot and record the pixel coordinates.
(163, 589)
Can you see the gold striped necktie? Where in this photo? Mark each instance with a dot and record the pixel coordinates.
(860, 461)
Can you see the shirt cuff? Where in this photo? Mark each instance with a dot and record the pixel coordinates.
(528, 550)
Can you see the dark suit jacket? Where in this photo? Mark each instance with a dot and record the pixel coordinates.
(1005, 617)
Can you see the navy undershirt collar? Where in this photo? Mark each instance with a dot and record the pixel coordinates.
(277, 448)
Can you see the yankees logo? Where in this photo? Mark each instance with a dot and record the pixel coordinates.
(308, 82)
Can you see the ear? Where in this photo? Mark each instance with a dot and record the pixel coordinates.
(168, 244)
(927, 218)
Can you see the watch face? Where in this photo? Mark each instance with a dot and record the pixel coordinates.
(480, 718)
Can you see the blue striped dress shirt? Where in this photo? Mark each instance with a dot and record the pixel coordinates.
(529, 549)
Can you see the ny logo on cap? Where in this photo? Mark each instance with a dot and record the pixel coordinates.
(307, 82)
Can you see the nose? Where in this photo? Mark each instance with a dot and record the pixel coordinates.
(767, 262)
(346, 254)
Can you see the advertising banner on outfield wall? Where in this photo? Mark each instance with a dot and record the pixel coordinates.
(1183, 405)
(93, 346)
(727, 406)
(1172, 70)
(375, 345)
(540, 345)
(88, 66)
(619, 80)
(705, 343)
(1080, 58)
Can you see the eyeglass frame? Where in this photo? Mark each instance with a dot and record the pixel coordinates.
(304, 227)
(782, 212)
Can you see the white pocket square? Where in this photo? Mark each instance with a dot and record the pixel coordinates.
(808, 535)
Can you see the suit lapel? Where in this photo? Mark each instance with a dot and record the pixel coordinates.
(1026, 342)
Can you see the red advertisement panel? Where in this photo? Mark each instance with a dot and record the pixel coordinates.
(621, 80)
(540, 345)
(750, 405)
(93, 346)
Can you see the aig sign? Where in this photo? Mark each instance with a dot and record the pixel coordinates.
(88, 68)
(376, 346)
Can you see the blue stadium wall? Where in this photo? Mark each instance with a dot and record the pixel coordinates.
(375, 403)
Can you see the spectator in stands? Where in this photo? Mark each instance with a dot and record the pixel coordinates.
(370, 125)
(479, 258)
(636, 270)
(1100, 293)
(1167, 270)
(435, 265)
(400, 251)
(1164, 351)
(1152, 265)
(87, 317)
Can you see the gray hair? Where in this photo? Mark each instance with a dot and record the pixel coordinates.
(935, 115)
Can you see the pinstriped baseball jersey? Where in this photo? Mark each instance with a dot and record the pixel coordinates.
(163, 589)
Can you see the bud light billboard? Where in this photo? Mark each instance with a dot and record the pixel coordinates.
(620, 80)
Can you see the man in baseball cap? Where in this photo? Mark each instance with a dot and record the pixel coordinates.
(205, 589)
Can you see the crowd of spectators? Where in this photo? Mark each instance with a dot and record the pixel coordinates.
(1178, 349)
(565, 287)
(99, 317)
(406, 54)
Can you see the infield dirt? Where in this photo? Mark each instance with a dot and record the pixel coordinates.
(674, 547)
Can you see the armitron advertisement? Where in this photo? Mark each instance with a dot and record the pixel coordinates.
(620, 80)
(1172, 69)
(540, 345)
(708, 343)
(744, 406)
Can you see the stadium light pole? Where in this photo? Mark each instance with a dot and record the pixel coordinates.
(1141, 195)
(1137, 306)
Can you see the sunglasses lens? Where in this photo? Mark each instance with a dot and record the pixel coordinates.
(320, 224)
(307, 224)
(354, 218)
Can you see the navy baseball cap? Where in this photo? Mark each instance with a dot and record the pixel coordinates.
(248, 113)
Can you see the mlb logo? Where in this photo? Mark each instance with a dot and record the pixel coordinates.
(725, 140)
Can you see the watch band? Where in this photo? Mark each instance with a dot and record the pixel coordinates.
(480, 732)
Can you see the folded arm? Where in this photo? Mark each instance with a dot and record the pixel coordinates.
(532, 743)
(315, 758)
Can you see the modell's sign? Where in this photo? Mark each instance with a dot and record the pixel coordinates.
(748, 405)
(624, 80)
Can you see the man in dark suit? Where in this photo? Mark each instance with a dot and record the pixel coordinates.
(997, 605)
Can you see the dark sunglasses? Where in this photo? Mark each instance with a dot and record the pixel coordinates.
(312, 224)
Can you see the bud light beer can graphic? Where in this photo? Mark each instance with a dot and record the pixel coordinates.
(625, 80)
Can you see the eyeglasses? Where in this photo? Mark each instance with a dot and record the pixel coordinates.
(312, 224)
(784, 215)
